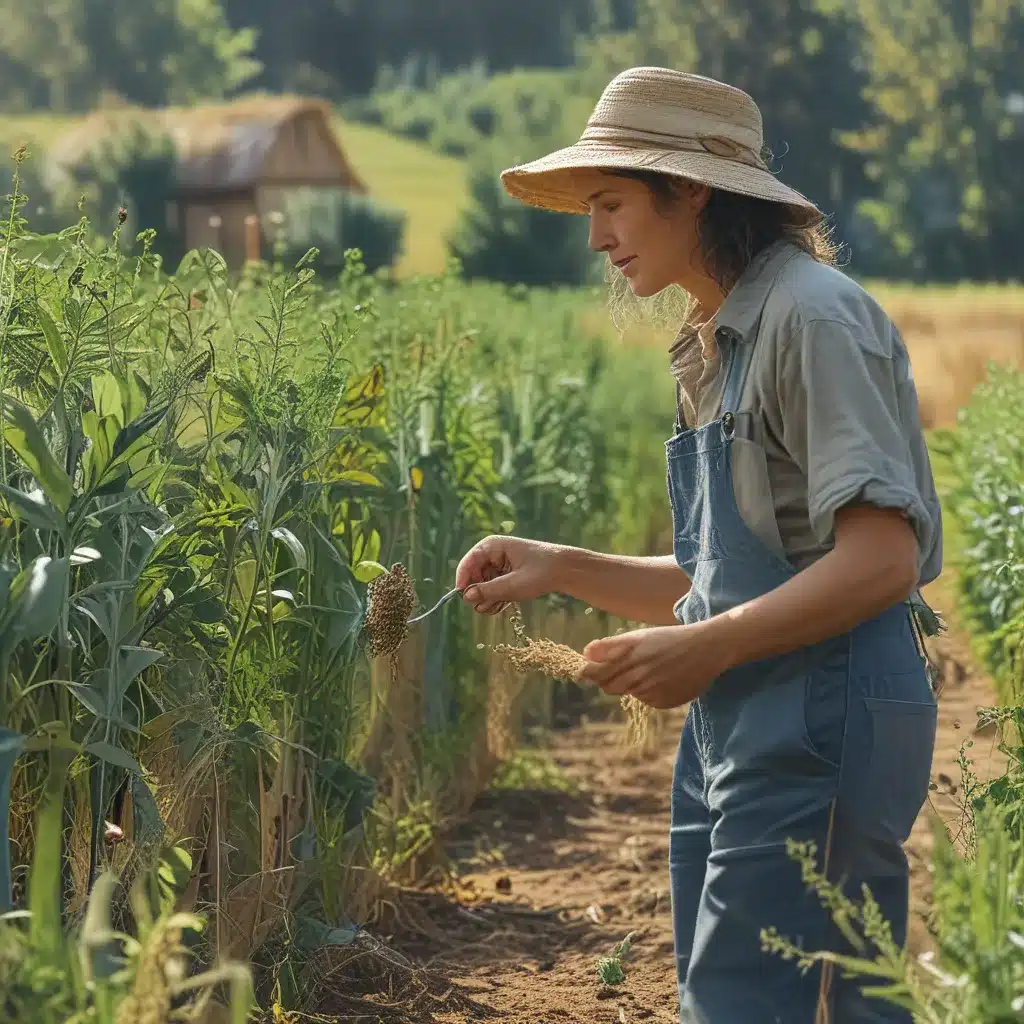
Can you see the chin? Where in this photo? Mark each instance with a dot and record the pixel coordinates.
(641, 289)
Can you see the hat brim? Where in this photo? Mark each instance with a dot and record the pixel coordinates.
(549, 181)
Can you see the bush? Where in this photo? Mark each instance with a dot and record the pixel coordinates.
(987, 507)
(500, 238)
(334, 221)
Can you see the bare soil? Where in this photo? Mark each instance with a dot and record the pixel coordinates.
(547, 882)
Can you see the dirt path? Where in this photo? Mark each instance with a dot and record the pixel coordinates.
(550, 882)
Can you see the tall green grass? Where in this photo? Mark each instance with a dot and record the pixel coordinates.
(200, 474)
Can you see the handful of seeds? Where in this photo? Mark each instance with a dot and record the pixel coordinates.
(392, 598)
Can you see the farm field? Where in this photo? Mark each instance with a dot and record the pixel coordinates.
(201, 485)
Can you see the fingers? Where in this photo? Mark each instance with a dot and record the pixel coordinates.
(610, 648)
(488, 598)
(486, 561)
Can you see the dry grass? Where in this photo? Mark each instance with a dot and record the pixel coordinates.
(952, 336)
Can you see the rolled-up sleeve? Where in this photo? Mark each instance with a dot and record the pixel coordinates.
(840, 392)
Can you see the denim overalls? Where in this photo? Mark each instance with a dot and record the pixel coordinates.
(831, 744)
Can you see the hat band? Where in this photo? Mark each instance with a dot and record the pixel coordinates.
(633, 138)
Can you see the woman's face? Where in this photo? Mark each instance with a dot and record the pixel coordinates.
(653, 246)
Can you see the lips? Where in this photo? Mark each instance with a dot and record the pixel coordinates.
(621, 264)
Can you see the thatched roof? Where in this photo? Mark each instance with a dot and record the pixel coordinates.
(219, 146)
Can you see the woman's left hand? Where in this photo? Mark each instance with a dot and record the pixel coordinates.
(665, 667)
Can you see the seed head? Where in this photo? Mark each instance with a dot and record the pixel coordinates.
(122, 215)
(392, 598)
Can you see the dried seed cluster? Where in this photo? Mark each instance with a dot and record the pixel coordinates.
(392, 598)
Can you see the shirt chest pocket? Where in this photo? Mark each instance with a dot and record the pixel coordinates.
(752, 491)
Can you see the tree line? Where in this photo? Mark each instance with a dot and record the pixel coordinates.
(903, 118)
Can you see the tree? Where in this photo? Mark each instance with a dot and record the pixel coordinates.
(946, 136)
(64, 54)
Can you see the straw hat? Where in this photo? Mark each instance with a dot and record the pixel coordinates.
(656, 119)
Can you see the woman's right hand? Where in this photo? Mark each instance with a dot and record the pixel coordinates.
(501, 569)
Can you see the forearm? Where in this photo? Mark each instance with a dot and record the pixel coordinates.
(872, 569)
(635, 588)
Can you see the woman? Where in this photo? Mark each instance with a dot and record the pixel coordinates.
(805, 520)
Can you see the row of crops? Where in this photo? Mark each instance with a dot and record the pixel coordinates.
(200, 477)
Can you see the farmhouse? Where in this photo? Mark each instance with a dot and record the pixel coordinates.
(236, 162)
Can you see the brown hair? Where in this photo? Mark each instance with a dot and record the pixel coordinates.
(733, 228)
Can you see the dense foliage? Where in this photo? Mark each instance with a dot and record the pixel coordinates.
(199, 476)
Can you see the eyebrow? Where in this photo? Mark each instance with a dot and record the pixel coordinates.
(597, 195)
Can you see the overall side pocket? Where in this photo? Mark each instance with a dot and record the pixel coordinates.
(902, 741)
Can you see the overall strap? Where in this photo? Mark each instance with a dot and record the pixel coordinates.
(740, 356)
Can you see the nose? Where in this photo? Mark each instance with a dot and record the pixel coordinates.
(600, 237)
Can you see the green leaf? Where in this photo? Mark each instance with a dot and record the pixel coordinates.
(54, 342)
(147, 825)
(114, 755)
(101, 951)
(37, 598)
(31, 507)
(292, 543)
(356, 476)
(132, 662)
(106, 396)
(174, 873)
(11, 745)
(126, 441)
(134, 396)
(367, 571)
(22, 433)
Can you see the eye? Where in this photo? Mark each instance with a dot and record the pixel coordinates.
(611, 207)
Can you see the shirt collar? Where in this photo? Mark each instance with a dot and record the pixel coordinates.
(741, 311)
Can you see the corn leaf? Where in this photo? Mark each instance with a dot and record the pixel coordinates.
(31, 508)
(22, 433)
(114, 755)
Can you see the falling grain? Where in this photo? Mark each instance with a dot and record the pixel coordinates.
(639, 716)
(554, 660)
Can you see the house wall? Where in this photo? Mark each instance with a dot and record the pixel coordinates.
(227, 237)
(305, 152)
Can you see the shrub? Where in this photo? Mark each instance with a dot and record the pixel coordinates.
(501, 238)
(335, 221)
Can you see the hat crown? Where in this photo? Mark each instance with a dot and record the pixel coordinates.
(645, 103)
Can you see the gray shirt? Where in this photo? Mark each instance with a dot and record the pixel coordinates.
(829, 412)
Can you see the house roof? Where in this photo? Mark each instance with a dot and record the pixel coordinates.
(219, 146)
